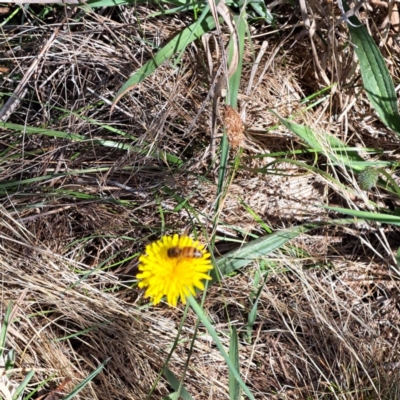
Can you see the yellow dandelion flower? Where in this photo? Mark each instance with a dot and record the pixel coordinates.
(173, 267)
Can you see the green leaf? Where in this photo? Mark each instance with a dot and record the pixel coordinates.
(176, 45)
(260, 8)
(175, 383)
(251, 251)
(375, 75)
(172, 396)
(261, 247)
(234, 387)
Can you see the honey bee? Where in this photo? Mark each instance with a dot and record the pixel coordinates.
(187, 252)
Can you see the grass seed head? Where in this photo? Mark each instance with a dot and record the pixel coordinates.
(234, 126)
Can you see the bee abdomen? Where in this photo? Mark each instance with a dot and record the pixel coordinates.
(188, 252)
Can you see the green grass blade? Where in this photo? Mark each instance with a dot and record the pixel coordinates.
(261, 247)
(39, 386)
(205, 321)
(255, 216)
(234, 387)
(222, 167)
(176, 385)
(176, 45)
(42, 178)
(4, 328)
(42, 131)
(234, 81)
(23, 385)
(82, 332)
(334, 148)
(375, 75)
(390, 180)
(80, 386)
(9, 360)
(112, 3)
(398, 258)
(10, 17)
(80, 138)
(253, 312)
(307, 167)
(249, 252)
(367, 215)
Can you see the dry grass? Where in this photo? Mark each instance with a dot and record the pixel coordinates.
(328, 316)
